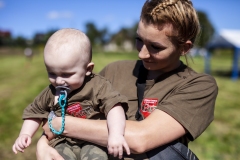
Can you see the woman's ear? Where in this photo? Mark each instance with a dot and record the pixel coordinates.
(186, 47)
(90, 67)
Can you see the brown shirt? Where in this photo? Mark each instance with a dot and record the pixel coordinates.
(93, 100)
(187, 96)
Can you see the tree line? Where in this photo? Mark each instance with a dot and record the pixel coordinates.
(100, 37)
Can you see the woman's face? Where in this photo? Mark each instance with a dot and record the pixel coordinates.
(156, 49)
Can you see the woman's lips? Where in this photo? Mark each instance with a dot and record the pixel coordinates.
(148, 61)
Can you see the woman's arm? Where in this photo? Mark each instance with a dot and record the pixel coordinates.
(157, 129)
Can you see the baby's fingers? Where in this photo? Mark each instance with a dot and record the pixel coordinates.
(14, 149)
(113, 151)
(25, 142)
(29, 140)
(120, 152)
(17, 148)
(126, 147)
(110, 150)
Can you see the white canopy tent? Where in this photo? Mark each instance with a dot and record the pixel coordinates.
(226, 39)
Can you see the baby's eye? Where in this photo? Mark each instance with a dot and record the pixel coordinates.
(51, 74)
(67, 74)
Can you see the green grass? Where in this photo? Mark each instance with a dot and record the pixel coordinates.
(22, 80)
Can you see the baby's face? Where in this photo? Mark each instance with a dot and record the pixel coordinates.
(65, 70)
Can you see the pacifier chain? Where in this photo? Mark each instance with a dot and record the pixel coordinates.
(62, 101)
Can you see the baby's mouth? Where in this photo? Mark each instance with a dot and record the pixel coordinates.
(63, 90)
(62, 87)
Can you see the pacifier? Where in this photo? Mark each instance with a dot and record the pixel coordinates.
(63, 91)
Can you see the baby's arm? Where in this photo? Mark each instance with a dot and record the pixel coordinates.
(116, 126)
(29, 128)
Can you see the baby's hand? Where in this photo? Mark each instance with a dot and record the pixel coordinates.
(116, 144)
(22, 142)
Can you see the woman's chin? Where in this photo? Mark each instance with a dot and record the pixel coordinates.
(149, 66)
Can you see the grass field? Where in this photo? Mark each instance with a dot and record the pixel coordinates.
(21, 80)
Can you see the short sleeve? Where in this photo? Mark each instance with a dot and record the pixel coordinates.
(192, 104)
(39, 108)
(108, 97)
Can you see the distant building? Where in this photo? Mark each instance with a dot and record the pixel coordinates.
(5, 34)
(226, 39)
(125, 46)
(121, 41)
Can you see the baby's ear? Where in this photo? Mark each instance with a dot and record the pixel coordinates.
(90, 67)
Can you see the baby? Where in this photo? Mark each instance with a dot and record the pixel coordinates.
(74, 90)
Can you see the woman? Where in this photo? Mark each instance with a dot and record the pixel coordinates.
(178, 103)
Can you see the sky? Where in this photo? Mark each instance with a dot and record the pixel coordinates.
(27, 17)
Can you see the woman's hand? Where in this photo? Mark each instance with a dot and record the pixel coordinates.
(47, 131)
(45, 152)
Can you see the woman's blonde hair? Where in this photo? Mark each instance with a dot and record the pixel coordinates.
(179, 13)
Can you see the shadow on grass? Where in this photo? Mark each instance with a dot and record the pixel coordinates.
(224, 74)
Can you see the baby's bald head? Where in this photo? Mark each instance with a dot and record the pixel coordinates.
(69, 44)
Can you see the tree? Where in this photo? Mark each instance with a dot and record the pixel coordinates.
(20, 41)
(96, 36)
(124, 34)
(40, 39)
(207, 29)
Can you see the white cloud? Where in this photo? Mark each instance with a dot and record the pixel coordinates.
(2, 4)
(109, 18)
(53, 15)
(59, 15)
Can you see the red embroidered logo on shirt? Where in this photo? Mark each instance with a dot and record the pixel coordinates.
(76, 110)
(148, 106)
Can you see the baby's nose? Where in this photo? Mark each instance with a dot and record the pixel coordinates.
(60, 81)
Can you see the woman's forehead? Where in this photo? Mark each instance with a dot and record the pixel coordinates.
(150, 32)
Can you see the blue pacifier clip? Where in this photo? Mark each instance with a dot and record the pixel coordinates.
(62, 101)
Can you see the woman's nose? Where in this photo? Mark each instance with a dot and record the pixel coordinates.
(143, 53)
